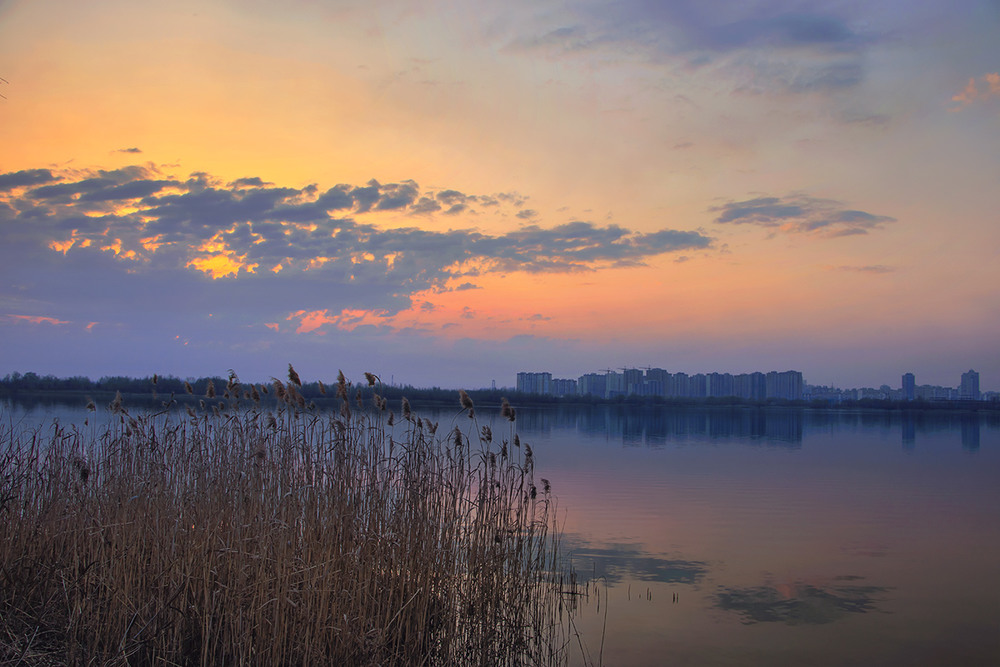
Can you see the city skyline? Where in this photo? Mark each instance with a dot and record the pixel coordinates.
(757, 385)
(440, 193)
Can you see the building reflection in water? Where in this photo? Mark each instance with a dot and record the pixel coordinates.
(909, 431)
(970, 432)
(658, 426)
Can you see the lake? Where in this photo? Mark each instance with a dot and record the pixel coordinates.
(785, 536)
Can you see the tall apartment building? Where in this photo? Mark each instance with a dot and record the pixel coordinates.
(616, 385)
(563, 387)
(593, 384)
(679, 385)
(969, 389)
(534, 383)
(657, 381)
(752, 386)
(721, 385)
(633, 379)
(909, 387)
(786, 385)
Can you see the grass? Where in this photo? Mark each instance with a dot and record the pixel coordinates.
(258, 530)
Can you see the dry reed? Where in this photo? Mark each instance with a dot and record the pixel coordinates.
(246, 535)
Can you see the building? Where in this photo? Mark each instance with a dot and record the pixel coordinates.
(563, 387)
(909, 387)
(632, 377)
(534, 383)
(698, 385)
(721, 385)
(593, 384)
(656, 382)
(786, 385)
(969, 389)
(679, 385)
(615, 385)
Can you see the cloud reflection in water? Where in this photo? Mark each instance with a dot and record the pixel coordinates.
(799, 603)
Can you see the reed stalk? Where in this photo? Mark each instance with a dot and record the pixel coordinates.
(255, 533)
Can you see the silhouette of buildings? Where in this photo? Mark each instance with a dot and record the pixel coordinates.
(784, 385)
(909, 387)
(969, 388)
(534, 383)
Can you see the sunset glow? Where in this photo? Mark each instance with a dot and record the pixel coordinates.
(454, 194)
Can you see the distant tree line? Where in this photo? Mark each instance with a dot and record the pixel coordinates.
(322, 393)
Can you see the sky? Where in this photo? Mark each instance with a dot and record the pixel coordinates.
(447, 193)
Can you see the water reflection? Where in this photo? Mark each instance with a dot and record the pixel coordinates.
(799, 603)
(617, 562)
(909, 430)
(658, 426)
(970, 432)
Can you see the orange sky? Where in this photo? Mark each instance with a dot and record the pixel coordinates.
(836, 166)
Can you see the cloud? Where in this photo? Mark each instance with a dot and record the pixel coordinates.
(252, 182)
(577, 245)
(26, 177)
(397, 196)
(615, 562)
(94, 239)
(974, 92)
(799, 603)
(129, 150)
(37, 319)
(792, 49)
(800, 214)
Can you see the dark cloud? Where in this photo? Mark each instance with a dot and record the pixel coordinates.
(397, 196)
(252, 182)
(367, 196)
(800, 214)
(799, 603)
(452, 197)
(69, 190)
(26, 177)
(425, 206)
(816, 47)
(526, 214)
(132, 190)
(780, 30)
(129, 150)
(615, 562)
(108, 237)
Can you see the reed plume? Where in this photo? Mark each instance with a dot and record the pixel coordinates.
(275, 534)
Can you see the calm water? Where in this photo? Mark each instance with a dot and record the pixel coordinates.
(782, 537)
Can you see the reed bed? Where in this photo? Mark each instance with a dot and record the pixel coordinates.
(258, 530)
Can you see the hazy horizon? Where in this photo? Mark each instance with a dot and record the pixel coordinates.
(448, 195)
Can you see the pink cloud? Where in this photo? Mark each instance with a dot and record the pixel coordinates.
(348, 319)
(993, 80)
(972, 92)
(38, 319)
(310, 320)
